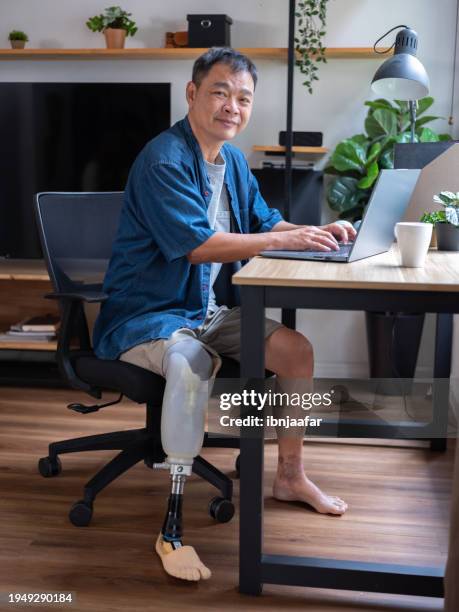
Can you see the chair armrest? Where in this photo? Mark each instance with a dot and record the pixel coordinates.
(85, 295)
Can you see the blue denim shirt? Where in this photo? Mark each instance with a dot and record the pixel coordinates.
(152, 288)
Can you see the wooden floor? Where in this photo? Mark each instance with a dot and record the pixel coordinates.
(398, 497)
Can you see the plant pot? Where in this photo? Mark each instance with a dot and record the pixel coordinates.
(114, 38)
(17, 44)
(447, 237)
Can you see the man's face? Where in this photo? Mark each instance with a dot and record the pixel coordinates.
(220, 107)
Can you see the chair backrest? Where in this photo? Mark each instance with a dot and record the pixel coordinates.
(77, 231)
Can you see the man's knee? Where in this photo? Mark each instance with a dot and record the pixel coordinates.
(292, 354)
(302, 354)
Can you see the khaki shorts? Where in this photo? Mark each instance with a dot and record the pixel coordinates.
(219, 334)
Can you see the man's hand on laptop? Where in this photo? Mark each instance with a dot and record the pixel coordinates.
(343, 230)
(322, 238)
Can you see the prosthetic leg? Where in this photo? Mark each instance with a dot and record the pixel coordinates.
(188, 370)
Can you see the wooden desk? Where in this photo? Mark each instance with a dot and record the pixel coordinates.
(376, 283)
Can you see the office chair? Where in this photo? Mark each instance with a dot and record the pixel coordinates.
(76, 232)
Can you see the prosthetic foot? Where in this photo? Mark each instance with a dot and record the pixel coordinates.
(178, 560)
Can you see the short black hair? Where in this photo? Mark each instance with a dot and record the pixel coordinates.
(222, 55)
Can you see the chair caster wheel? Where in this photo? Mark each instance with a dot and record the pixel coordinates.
(48, 466)
(80, 513)
(221, 509)
(237, 466)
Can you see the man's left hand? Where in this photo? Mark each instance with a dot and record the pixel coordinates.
(342, 232)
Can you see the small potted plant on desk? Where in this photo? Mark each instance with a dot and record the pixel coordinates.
(18, 39)
(445, 222)
(115, 24)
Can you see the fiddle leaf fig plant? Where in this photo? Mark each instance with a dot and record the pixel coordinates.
(356, 162)
(311, 16)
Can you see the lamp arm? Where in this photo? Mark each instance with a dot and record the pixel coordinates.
(413, 106)
(384, 36)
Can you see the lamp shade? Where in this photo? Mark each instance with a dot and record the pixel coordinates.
(402, 76)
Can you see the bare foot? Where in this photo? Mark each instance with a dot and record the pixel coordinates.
(182, 562)
(292, 484)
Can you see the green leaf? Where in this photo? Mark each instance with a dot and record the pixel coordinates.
(344, 195)
(424, 104)
(405, 138)
(451, 215)
(446, 196)
(426, 135)
(386, 160)
(349, 155)
(404, 122)
(403, 105)
(380, 103)
(426, 119)
(381, 123)
(433, 217)
(372, 174)
(361, 139)
(373, 154)
(444, 137)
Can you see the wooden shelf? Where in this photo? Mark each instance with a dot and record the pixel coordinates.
(281, 149)
(273, 53)
(23, 270)
(29, 346)
(23, 282)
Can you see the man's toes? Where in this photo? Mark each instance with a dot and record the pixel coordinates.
(193, 574)
(205, 572)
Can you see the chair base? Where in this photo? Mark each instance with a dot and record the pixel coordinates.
(136, 445)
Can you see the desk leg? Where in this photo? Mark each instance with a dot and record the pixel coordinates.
(251, 466)
(289, 317)
(442, 371)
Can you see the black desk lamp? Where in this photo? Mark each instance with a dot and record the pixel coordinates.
(402, 76)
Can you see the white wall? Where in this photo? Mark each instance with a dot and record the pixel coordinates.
(336, 108)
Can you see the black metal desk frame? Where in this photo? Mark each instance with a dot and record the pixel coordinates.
(256, 568)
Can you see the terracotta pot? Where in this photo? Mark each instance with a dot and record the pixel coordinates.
(17, 44)
(114, 38)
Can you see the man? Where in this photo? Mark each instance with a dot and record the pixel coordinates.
(191, 204)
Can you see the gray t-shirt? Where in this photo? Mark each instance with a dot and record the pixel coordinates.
(219, 216)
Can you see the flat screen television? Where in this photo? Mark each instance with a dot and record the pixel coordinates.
(69, 137)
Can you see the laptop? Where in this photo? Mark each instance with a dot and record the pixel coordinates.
(386, 207)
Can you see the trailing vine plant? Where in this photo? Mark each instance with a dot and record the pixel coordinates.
(311, 24)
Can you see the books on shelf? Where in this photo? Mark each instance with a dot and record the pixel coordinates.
(43, 323)
(8, 338)
(41, 328)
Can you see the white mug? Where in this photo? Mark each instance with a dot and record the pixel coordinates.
(413, 241)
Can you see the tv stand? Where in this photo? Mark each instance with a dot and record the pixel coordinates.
(23, 283)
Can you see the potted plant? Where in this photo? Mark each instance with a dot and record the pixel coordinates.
(18, 39)
(356, 161)
(115, 24)
(445, 222)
